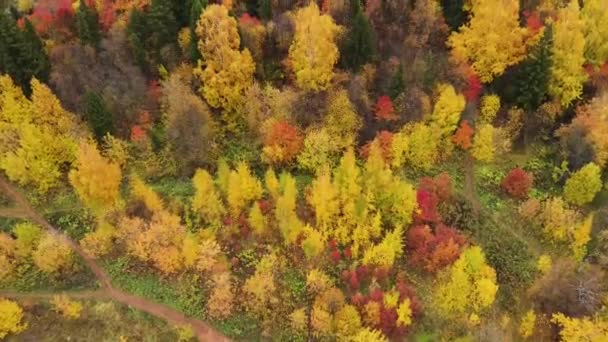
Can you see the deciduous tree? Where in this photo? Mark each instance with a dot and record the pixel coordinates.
(12, 318)
(583, 185)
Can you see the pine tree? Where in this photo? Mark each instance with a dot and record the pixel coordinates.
(397, 83)
(162, 25)
(98, 115)
(87, 25)
(533, 79)
(34, 58)
(137, 30)
(265, 9)
(359, 47)
(195, 13)
(453, 13)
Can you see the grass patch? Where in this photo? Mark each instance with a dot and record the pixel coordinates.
(239, 326)
(184, 294)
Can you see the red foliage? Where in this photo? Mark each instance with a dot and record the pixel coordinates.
(332, 244)
(348, 253)
(385, 140)
(358, 299)
(388, 321)
(265, 206)
(248, 20)
(155, 89)
(427, 205)
(55, 14)
(433, 251)
(285, 136)
(353, 281)
(474, 87)
(377, 295)
(462, 137)
(384, 109)
(407, 291)
(137, 133)
(335, 256)
(441, 186)
(362, 271)
(381, 273)
(518, 183)
(533, 21)
(107, 15)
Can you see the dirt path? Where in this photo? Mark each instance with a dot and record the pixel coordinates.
(203, 331)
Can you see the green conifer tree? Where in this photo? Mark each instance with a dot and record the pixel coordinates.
(10, 51)
(533, 78)
(397, 85)
(162, 25)
(453, 12)
(359, 47)
(265, 9)
(195, 13)
(35, 61)
(87, 25)
(137, 31)
(98, 115)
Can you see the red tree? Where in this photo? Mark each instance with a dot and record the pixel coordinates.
(441, 186)
(385, 140)
(518, 183)
(427, 205)
(286, 138)
(432, 251)
(384, 109)
(474, 87)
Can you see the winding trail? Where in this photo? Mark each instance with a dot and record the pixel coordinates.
(23, 209)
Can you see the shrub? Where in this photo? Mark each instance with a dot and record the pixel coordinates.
(517, 183)
(583, 185)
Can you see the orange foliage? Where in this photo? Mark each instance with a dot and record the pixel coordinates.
(385, 140)
(282, 142)
(432, 251)
(462, 137)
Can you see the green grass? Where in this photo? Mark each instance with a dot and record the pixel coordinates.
(239, 326)
(184, 294)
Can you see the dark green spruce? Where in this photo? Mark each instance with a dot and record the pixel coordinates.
(533, 78)
(359, 47)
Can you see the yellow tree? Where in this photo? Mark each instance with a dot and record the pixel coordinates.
(323, 197)
(243, 188)
(313, 53)
(69, 309)
(468, 287)
(595, 16)
(492, 40)
(142, 192)
(446, 113)
(53, 255)
(387, 251)
(207, 199)
(38, 135)
(583, 185)
(226, 72)
(581, 329)
(11, 318)
(96, 179)
(567, 74)
(483, 143)
(341, 121)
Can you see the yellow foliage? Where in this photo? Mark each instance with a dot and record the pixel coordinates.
(544, 263)
(595, 16)
(313, 243)
(116, 150)
(209, 253)
(323, 197)
(319, 150)
(260, 288)
(391, 299)
(492, 40)
(226, 72)
(483, 143)
(422, 145)
(69, 309)
(207, 199)
(490, 104)
(313, 52)
(557, 219)
(581, 235)
(221, 300)
(341, 121)
(469, 286)
(581, 329)
(95, 179)
(285, 210)
(27, 237)
(144, 193)
(53, 255)
(190, 250)
(257, 220)
(526, 327)
(404, 313)
(11, 318)
(567, 73)
(583, 185)
(369, 335)
(371, 313)
(298, 319)
(347, 322)
(99, 242)
(386, 252)
(272, 183)
(184, 37)
(243, 188)
(317, 281)
(446, 113)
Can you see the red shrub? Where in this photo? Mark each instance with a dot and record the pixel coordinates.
(518, 183)
(388, 321)
(377, 295)
(427, 206)
(335, 256)
(384, 109)
(358, 299)
(353, 281)
(137, 133)
(440, 186)
(432, 251)
(474, 87)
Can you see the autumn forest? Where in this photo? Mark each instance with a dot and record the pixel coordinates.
(304, 170)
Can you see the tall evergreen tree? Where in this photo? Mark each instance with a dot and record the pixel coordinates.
(397, 85)
(533, 78)
(34, 58)
(10, 51)
(195, 13)
(137, 31)
(98, 115)
(265, 9)
(359, 47)
(454, 14)
(162, 25)
(87, 25)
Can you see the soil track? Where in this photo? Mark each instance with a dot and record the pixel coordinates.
(23, 209)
